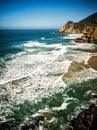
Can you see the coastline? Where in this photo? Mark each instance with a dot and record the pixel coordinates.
(47, 83)
(82, 68)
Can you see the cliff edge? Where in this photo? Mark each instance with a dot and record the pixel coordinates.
(80, 26)
(86, 120)
(89, 36)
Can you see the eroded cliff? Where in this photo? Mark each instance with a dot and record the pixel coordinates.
(80, 26)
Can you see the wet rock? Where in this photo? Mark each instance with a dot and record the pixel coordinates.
(94, 96)
(33, 124)
(79, 40)
(86, 120)
(89, 36)
(93, 62)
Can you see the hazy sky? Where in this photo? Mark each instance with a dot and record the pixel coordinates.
(43, 13)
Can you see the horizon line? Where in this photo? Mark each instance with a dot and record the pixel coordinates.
(26, 28)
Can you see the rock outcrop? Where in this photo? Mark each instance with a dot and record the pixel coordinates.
(86, 120)
(81, 26)
(89, 36)
(35, 124)
(93, 62)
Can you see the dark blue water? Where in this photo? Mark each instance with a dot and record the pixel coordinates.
(11, 40)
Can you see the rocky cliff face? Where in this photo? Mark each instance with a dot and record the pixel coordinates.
(81, 26)
(86, 120)
(89, 36)
(72, 28)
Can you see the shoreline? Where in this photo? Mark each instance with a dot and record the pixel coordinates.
(48, 79)
(83, 66)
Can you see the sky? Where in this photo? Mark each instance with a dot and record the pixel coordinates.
(37, 14)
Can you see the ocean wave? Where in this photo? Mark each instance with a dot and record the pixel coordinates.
(31, 50)
(22, 66)
(32, 43)
(24, 63)
(40, 44)
(42, 38)
(62, 107)
(72, 36)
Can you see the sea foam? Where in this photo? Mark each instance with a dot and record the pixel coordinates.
(32, 43)
(42, 38)
(24, 64)
(72, 36)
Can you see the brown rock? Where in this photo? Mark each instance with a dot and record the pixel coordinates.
(81, 26)
(93, 62)
(86, 120)
(89, 36)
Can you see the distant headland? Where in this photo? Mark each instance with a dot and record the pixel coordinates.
(87, 27)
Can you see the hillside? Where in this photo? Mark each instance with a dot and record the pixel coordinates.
(80, 26)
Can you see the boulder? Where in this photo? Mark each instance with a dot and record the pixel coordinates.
(33, 124)
(89, 36)
(86, 120)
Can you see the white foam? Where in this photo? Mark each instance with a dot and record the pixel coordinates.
(24, 65)
(32, 43)
(30, 50)
(42, 38)
(72, 36)
(42, 72)
(62, 107)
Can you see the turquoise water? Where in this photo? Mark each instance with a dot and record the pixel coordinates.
(12, 41)
(18, 46)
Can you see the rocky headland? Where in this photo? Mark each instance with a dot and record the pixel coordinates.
(87, 118)
(80, 26)
(87, 27)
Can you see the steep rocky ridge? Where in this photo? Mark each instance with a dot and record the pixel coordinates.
(80, 26)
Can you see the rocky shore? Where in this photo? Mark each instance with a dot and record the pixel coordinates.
(89, 36)
(86, 120)
(87, 27)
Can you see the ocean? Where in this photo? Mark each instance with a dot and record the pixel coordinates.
(23, 51)
(44, 73)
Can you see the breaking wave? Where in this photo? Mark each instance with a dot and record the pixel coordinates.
(72, 36)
